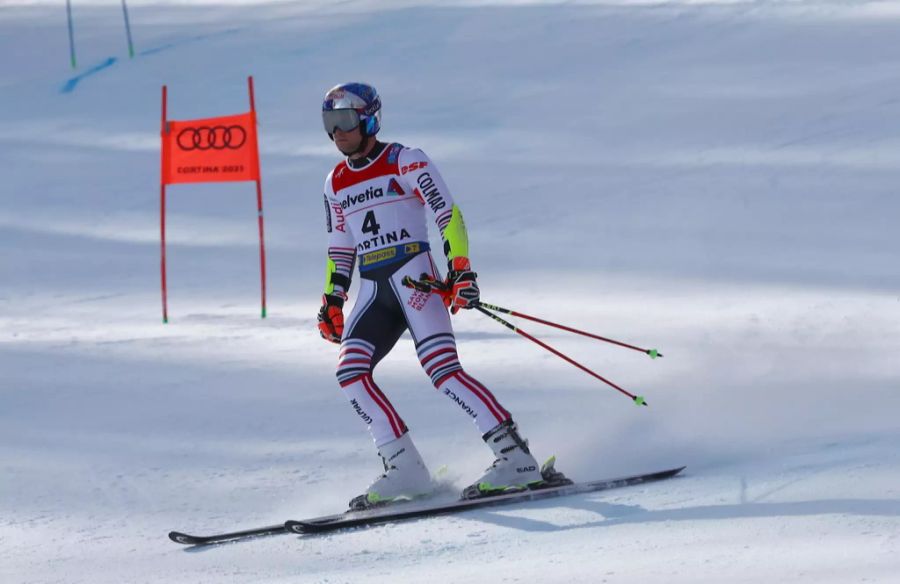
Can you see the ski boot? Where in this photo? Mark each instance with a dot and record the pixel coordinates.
(405, 476)
(515, 469)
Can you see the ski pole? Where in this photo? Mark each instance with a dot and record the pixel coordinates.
(428, 285)
(71, 34)
(639, 400)
(654, 353)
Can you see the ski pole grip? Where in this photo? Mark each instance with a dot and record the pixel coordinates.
(410, 283)
(420, 285)
(425, 284)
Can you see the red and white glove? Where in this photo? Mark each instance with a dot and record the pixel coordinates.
(462, 288)
(331, 318)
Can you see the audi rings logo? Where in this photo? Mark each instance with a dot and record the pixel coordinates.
(212, 138)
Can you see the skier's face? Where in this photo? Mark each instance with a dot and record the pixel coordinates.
(347, 142)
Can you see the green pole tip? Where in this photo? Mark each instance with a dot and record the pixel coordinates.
(653, 353)
(263, 312)
(639, 400)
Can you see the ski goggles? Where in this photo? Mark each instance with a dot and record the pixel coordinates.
(345, 120)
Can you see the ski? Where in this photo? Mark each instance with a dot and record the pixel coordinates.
(412, 510)
(188, 539)
(406, 511)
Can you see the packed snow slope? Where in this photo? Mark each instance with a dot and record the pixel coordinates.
(714, 179)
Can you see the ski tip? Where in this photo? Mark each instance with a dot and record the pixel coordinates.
(661, 474)
(672, 471)
(183, 538)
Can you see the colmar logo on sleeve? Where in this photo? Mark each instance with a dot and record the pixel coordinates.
(430, 193)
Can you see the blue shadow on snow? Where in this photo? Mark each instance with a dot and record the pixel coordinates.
(70, 85)
(614, 514)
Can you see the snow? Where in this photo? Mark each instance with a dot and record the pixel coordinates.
(716, 179)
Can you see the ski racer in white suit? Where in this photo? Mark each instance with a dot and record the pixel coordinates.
(377, 202)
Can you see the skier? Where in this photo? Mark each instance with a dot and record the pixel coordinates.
(376, 203)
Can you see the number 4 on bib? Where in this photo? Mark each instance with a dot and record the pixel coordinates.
(370, 225)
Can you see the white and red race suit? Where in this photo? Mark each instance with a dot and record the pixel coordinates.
(376, 217)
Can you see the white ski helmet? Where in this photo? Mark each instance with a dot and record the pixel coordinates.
(352, 105)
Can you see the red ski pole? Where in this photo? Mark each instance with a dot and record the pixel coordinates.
(654, 353)
(433, 286)
(639, 400)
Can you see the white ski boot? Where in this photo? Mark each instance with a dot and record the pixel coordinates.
(515, 468)
(405, 476)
